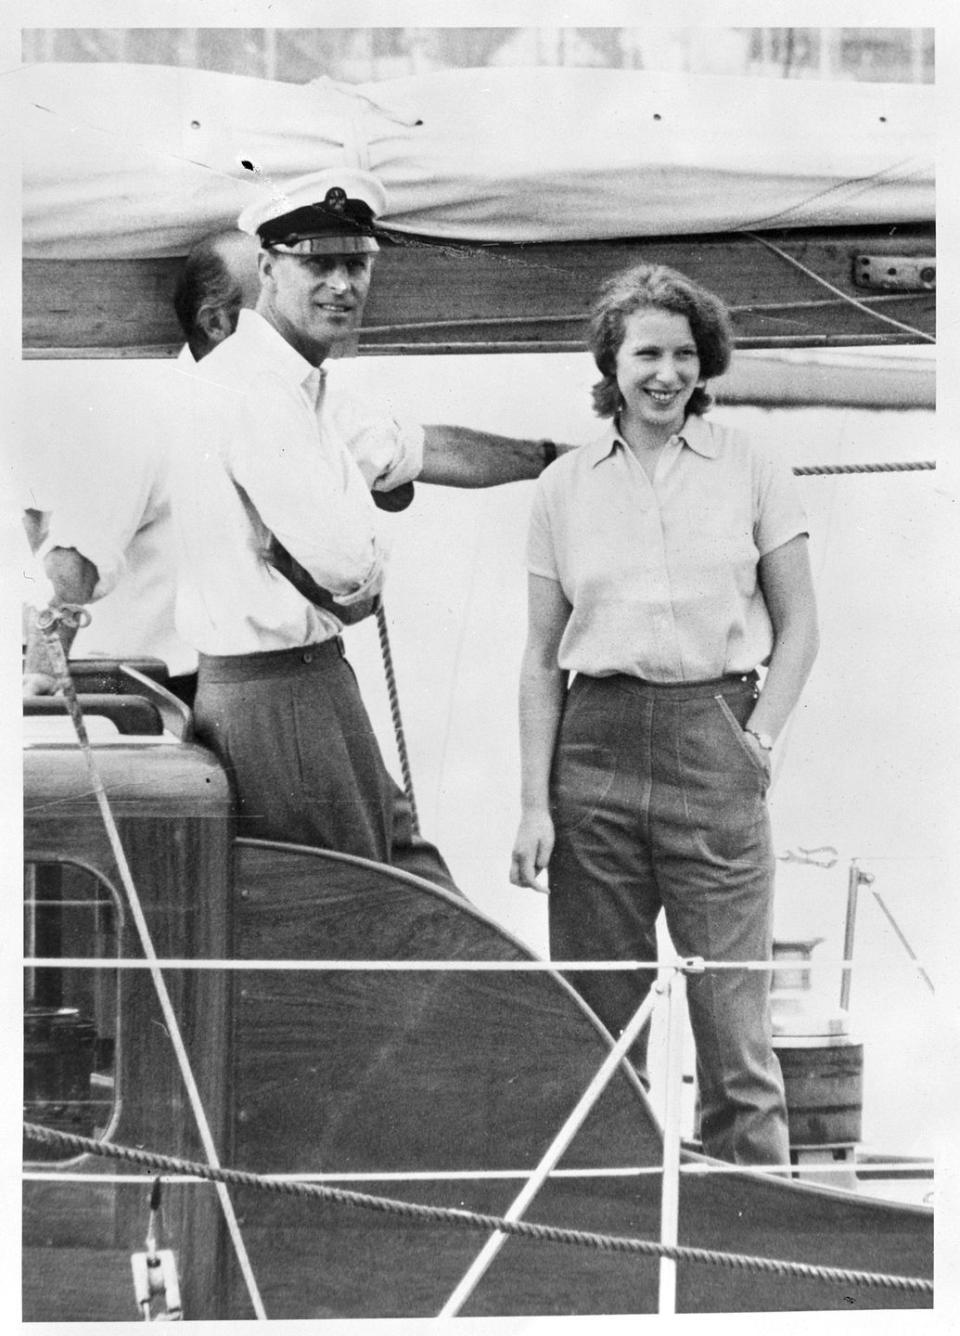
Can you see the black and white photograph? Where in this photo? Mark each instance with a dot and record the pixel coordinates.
(446, 450)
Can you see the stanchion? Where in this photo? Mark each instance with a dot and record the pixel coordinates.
(674, 987)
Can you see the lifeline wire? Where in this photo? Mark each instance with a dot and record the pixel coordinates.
(473, 1220)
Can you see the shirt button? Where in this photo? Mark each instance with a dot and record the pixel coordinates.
(308, 658)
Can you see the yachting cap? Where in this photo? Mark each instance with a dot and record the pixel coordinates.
(325, 213)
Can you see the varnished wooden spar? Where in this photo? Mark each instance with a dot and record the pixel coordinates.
(435, 297)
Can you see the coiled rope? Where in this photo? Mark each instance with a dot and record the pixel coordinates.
(394, 697)
(477, 1221)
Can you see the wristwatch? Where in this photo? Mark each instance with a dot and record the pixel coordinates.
(764, 739)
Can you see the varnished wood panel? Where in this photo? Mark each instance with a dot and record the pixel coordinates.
(346, 1072)
(172, 810)
(433, 297)
(306, 1071)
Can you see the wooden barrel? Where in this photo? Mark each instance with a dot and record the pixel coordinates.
(824, 1089)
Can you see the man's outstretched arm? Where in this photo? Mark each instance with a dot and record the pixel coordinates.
(463, 457)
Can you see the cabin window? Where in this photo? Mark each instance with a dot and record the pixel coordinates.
(70, 1011)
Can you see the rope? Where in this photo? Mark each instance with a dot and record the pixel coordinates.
(851, 301)
(394, 696)
(476, 1221)
(819, 470)
(48, 622)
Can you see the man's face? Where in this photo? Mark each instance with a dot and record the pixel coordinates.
(314, 301)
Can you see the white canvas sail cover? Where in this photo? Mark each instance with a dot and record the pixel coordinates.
(140, 160)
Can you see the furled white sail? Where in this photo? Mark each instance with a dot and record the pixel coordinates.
(138, 160)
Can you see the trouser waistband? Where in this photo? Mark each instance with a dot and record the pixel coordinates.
(270, 663)
(675, 690)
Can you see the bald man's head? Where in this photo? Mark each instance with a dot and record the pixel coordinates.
(219, 278)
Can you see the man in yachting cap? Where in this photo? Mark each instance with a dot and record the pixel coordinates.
(284, 461)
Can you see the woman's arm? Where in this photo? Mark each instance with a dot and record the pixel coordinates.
(542, 685)
(787, 585)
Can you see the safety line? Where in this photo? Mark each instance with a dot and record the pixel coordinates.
(49, 625)
(918, 1168)
(475, 1220)
(413, 966)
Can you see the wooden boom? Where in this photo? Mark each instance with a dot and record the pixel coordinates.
(437, 297)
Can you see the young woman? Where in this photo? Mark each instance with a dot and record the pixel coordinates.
(667, 563)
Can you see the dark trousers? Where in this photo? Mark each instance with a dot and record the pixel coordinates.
(660, 804)
(292, 731)
(184, 687)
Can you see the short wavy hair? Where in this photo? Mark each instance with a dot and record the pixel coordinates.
(654, 285)
(206, 281)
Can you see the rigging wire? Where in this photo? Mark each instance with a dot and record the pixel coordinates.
(825, 283)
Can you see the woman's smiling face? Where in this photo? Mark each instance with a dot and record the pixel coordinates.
(657, 369)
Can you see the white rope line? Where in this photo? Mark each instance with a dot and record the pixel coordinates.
(416, 966)
(905, 1169)
(153, 964)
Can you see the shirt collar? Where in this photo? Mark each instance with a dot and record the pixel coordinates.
(695, 433)
(269, 345)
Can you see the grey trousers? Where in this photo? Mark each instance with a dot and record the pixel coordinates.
(659, 804)
(293, 734)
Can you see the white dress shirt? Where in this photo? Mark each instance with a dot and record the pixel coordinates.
(273, 450)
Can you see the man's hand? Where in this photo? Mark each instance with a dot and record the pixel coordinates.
(39, 684)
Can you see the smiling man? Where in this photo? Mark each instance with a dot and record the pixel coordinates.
(282, 458)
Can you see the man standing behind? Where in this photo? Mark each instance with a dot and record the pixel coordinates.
(282, 457)
(107, 537)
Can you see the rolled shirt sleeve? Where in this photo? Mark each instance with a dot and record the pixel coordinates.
(101, 512)
(387, 446)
